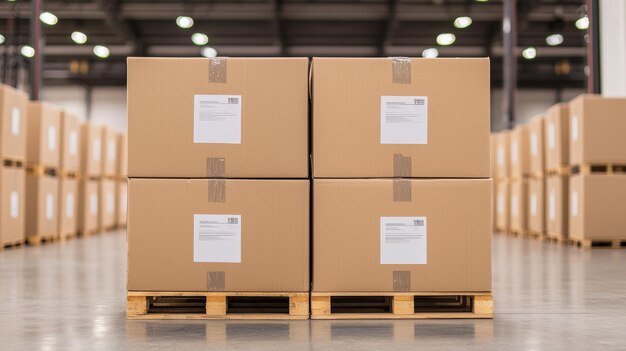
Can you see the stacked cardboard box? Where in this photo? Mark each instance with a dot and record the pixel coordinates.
(218, 200)
(69, 166)
(121, 184)
(402, 195)
(42, 183)
(88, 185)
(535, 211)
(502, 181)
(519, 149)
(13, 131)
(107, 185)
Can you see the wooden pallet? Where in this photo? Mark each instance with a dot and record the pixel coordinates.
(68, 235)
(68, 174)
(109, 228)
(88, 232)
(599, 168)
(501, 230)
(598, 243)
(536, 175)
(40, 170)
(535, 234)
(555, 238)
(217, 305)
(562, 170)
(12, 244)
(12, 162)
(392, 305)
(517, 232)
(36, 240)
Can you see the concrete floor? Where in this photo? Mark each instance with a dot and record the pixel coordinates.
(70, 296)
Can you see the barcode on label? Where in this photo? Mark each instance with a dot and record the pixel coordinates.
(233, 100)
(233, 220)
(418, 222)
(419, 101)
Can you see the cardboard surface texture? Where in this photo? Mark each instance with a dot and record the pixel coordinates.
(536, 205)
(357, 224)
(518, 220)
(432, 113)
(91, 146)
(108, 198)
(536, 130)
(12, 205)
(68, 205)
(503, 204)
(220, 117)
(557, 205)
(109, 152)
(13, 123)
(42, 206)
(70, 128)
(88, 206)
(122, 202)
(270, 218)
(503, 155)
(122, 156)
(43, 147)
(519, 149)
(556, 136)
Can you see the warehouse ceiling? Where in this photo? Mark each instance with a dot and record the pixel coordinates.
(297, 28)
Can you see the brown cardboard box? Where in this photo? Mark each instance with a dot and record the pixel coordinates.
(88, 206)
(503, 154)
(259, 130)
(556, 137)
(68, 206)
(536, 206)
(91, 155)
(122, 156)
(13, 123)
(122, 202)
(385, 117)
(557, 205)
(439, 240)
(266, 247)
(536, 130)
(42, 203)
(12, 205)
(70, 143)
(519, 151)
(107, 196)
(518, 221)
(43, 134)
(503, 203)
(597, 126)
(109, 152)
(597, 204)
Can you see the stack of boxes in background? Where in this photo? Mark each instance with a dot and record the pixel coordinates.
(121, 184)
(69, 166)
(519, 149)
(13, 111)
(536, 181)
(91, 172)
(108, 181)
(503, 184)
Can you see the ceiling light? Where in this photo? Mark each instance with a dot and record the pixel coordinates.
(101, 51)
(529, 53)
(79, 37)
(462, 22)
(582, 23)
(446, 39)
(482, 0)
(430, 53)
(199, 39)
(209, 52)
(1, 39)
(48, 18)
(27, 51)
(184, 22)
(554, 39)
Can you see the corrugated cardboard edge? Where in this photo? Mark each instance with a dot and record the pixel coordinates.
(402, 281)
(215, 281)
(217, 69)
(401, 70)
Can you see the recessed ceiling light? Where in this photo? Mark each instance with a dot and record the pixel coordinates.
(463, 22)
(1, 39)
(79, 37)
(184, 22)
(27, 51)
(582, 23)
(199, 39)
(554, 39)
(209, 52)
(430, 53)
(48, 18)
(482, 0)
(529, 53)
(101, 51)
(445, 39)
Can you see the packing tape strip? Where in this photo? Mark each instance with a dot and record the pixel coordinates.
(402, 281)
(402, 189)
(402, 166)
(215, 281)
(216, 167)
(217, 190)
(217, 70)
(401, 70)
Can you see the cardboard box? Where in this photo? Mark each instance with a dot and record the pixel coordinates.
(536, 130)
(69, 161)
(122, 203)
(88, 206)
(13, 123)
(109, 152)
(106, 189)
(386, 117)
(556, 137)
(12, 205)
(518, 220)
(219, 117)
(91, 155)
(597, 204)
(43, 146)
(122, 156)
(597, 129)
(536, 206)
(433, 235)
(214, 235)
(503, 203)
(519, 150)
(42, 206)
(503, 154)
(557, 205)
(68, 206)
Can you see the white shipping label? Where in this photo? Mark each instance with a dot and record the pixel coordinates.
(500, 155)
(15, 121)
(49, 206)
(111, 150)
(552, 205)
(403, 240)
(14, 204)
(514, 151)
(501, 204)
(73, 142)
(216, 238)
(93, 204)
(404, 120)
(514, 205)
(574, 128)
(96, 145)
(69, 205)
(533, 144)
(551, 136)
(110, 203)
(217, 119)
(574, 204)
(52, 138)
(533, 205)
